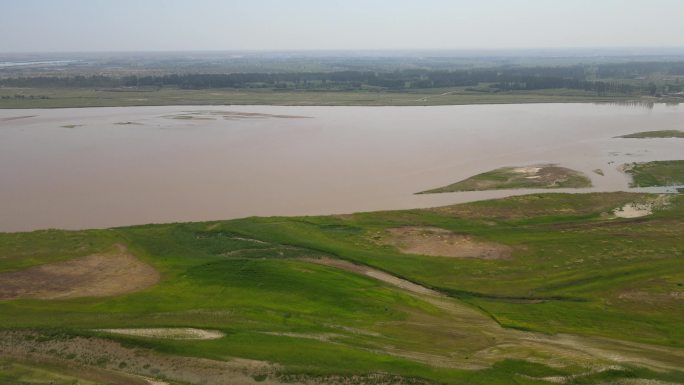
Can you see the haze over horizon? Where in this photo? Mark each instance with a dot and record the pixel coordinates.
(213, 25)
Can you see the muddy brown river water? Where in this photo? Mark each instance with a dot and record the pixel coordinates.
(101, 167)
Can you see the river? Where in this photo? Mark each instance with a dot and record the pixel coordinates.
(101, 167)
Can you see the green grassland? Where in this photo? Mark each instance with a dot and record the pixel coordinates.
(546, 176)
(655, 134)
(575, 270)
(85, 97)
(658, 173)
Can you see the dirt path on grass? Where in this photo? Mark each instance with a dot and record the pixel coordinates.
(374, 273)
(98, 275)
(501, 343)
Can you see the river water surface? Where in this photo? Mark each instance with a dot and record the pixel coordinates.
(101, 167)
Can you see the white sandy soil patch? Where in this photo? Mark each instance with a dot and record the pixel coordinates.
(438, 242)
(634, 210)
(530, 170)
(169, 333)
(641, 209)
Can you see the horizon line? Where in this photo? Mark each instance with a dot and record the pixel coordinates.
(646, 49)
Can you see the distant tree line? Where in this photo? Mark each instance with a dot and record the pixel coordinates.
(632, 70)
(540, 83)
(577, 77)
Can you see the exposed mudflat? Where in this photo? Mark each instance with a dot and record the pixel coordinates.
(97, 275)
(101, 167)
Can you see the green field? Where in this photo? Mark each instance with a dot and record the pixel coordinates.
(580, 288)
(542, 176)
(655, 134)
(655, 174)
(75, 97)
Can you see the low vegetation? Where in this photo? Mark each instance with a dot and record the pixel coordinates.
(283, 310)
(542, 176)
(90, 81)
(48, 97)
(656, 174)
(655, 134)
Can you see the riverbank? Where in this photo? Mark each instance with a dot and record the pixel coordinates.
(83, 97)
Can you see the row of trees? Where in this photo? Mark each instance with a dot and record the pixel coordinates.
(500, 78)
(540, 83)
(632, 70)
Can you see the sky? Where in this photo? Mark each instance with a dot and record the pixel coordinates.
(179, 25)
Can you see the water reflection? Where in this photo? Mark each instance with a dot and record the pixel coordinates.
(629, 103)
(639, 103)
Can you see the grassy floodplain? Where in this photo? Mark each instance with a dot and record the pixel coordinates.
(606, 284)
(656, 174)
(542, 176)
(88, 97)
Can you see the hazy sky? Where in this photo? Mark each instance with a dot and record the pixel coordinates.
(131, 25)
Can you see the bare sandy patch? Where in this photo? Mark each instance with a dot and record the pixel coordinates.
(633, 210)
(528, 170)
(98, 275)
(641, 209)
(439, 242)
(169, 333)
